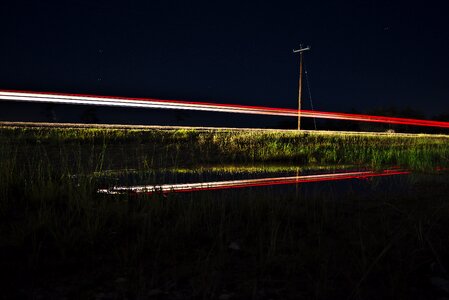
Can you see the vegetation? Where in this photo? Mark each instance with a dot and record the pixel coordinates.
(126, 148)
(60, 239)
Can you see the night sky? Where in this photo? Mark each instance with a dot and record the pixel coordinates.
(365, 54)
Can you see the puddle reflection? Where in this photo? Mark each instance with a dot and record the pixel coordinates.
(243, 183)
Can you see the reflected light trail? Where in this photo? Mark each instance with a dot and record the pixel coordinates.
(204, 106)
(234, 184)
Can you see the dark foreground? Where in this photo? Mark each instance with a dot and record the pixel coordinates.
(255, 243)
(59, 239)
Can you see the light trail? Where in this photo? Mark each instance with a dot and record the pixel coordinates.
(205, 106)
(234, 184)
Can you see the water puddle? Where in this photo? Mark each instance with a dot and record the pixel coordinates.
(204, 178)
(234, 184)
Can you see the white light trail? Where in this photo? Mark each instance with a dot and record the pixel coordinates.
(139, 103)
(232, 184)
(202, 106)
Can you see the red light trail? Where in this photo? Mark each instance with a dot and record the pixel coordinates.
(245, 183)
(204, 106)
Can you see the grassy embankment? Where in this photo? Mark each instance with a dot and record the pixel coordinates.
(58, 238)
(156, 148)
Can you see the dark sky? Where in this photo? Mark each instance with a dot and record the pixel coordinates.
(365, 54)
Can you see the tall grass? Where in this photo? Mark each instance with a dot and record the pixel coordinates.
(57, 234)
(315, 245)
(125, 148)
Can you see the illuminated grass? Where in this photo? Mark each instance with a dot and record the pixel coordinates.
(320, 244)
(139, 149)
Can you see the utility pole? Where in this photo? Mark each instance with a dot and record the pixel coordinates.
(301, 50)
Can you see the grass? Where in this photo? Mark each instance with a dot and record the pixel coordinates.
(125, 148)
(314, 245)
(58, 238)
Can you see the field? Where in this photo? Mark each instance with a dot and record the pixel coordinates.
(60, 239)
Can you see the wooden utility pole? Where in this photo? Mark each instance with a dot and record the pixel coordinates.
(300, 51)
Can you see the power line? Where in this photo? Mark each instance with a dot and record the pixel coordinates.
(310, 93)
